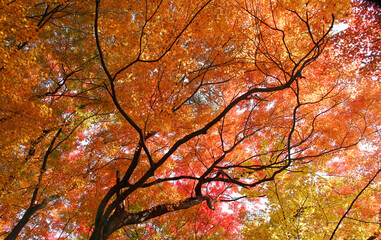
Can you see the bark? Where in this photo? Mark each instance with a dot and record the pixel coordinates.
(123, 218)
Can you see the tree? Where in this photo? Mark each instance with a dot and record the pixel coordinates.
(164, 113)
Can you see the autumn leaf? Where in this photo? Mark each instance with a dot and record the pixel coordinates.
(189, 119)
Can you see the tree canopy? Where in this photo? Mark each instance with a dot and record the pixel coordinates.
(207, 119)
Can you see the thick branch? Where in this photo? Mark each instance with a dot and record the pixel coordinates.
(120, 219)
(32, 209)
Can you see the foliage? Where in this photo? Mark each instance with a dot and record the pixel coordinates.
(183, 119)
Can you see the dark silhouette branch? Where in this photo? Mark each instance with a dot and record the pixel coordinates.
(353, 202)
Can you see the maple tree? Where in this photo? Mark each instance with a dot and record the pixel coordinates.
(168, 119)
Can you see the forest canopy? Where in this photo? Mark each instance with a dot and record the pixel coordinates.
(191, 119)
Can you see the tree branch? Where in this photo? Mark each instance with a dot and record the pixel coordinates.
(352, 203)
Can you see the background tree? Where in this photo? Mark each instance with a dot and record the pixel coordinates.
(313, 202)
(118, 115)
